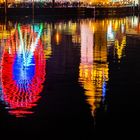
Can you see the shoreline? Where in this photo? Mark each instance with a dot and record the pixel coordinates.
(71, 11)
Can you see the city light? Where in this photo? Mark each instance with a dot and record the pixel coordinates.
(92, 75)
(71, 3)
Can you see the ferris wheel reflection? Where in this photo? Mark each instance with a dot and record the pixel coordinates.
(23, 69)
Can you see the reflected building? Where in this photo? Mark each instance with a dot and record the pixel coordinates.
(116, 38)
(134, 23)
(69, 27)
(119, 46)
(5, 32)
(46, 39)
(86, 65)
(100, 65)
(23, 70)
(93, 67)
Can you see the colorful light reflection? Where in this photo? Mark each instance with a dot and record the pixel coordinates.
(93, 70)
(23, 70)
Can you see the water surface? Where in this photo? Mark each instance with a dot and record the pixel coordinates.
(76, 77)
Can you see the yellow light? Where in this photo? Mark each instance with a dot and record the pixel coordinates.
(47, 52)
(120, 48)
(57, 38)
(5, 34)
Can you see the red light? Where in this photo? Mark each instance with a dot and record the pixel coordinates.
(21, 100)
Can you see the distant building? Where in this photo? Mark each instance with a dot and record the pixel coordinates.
(85, 1)
(95, 1)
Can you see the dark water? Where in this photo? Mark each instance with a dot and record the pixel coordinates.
(69, 77)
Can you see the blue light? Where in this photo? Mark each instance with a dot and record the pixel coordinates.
(24, 64)
(36, 28)
(110, 33)
(104, 90)
(22, 74)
